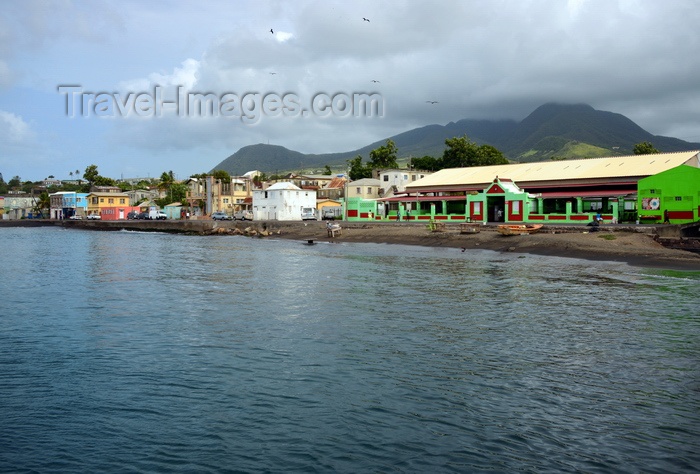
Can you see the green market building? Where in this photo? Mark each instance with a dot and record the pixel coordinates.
(636, 188)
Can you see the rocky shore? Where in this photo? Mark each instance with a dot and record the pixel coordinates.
(635, 245)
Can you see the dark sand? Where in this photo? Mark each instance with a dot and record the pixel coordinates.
(618, 244)
(633, 245)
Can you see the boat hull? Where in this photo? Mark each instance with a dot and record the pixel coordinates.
(518, 229)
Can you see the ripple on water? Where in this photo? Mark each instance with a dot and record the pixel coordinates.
(153, 352)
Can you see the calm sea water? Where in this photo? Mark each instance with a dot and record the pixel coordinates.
(140, 352)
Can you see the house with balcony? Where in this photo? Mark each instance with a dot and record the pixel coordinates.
(394, 181)
(66, 204)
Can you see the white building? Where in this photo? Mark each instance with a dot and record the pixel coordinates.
(282, 202)
(395, 181)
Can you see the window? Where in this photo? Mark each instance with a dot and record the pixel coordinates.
(102, 199)
(110, 201)
(477, 208)
(121, 201)
(225, 200)
(405, 177)
(359, 190)
(679, 198)
(515, 207)
(386, 177)
(369, 190)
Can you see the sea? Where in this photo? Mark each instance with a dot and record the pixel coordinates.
(151, 352)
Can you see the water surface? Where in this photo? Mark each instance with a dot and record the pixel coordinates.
(127, 351)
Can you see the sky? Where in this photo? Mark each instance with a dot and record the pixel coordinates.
(138, 88)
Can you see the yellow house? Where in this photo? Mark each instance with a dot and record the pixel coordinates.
(97, 202)
(232, 196)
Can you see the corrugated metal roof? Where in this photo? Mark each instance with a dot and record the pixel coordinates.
(590, 168)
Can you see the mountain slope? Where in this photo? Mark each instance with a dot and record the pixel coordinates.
(551, 130)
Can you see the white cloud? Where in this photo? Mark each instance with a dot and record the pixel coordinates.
(479, 59)
(13, 130)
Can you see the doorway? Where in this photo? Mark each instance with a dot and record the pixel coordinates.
(495, 209)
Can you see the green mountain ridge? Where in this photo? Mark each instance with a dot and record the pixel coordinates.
(552, 130)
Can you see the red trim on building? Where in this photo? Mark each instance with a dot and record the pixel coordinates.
(352, 212)
(536, 217)
(680, 215)
(580, 218)
(495, 189)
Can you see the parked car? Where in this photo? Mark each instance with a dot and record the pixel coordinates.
(142, 215)
(94, 217)
(332, 213)
(308, 214)
(220, 216)
(132, 215)
(157, 215)
(243, 215)
(75, 217)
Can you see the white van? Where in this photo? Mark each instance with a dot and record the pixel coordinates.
(308, 214)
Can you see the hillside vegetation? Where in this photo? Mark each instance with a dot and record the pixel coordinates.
(552, 131)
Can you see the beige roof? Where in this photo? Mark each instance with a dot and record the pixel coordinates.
(633, 166)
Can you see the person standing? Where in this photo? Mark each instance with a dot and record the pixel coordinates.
(666, 219)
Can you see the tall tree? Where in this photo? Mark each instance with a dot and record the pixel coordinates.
(645, 148)
(91, 174)
(460, 153)
(327, 170)
(384, 157)
(425, 163)
(359, 170)
(488, 155)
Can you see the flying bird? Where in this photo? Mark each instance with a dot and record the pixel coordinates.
(431, 102)
(374, 80)
(365, 19)
(273, 73)
(272, 31)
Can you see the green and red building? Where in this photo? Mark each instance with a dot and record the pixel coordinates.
(621, 189)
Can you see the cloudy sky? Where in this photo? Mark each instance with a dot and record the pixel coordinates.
(477, 59)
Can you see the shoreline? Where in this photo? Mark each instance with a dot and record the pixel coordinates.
(633, 245)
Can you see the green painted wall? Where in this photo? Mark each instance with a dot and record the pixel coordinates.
(676, 191)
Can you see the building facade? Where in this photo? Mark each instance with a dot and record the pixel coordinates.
(282, 202)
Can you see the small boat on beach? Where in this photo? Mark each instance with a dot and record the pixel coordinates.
(518, 229)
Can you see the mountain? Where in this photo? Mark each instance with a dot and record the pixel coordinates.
(551, 130)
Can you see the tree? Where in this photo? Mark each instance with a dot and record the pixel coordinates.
(488, 155)
(425, 163)
(358, 170)
(462, 153)
(15, 182)
(222, 175)
(645, 148)
(91, 174)
(384, 157)
(327, 170)
(43, 203)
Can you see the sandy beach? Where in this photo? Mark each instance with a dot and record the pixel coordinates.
(633, 245)
(613, 243)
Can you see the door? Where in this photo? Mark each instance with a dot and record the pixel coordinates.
(496, 209)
